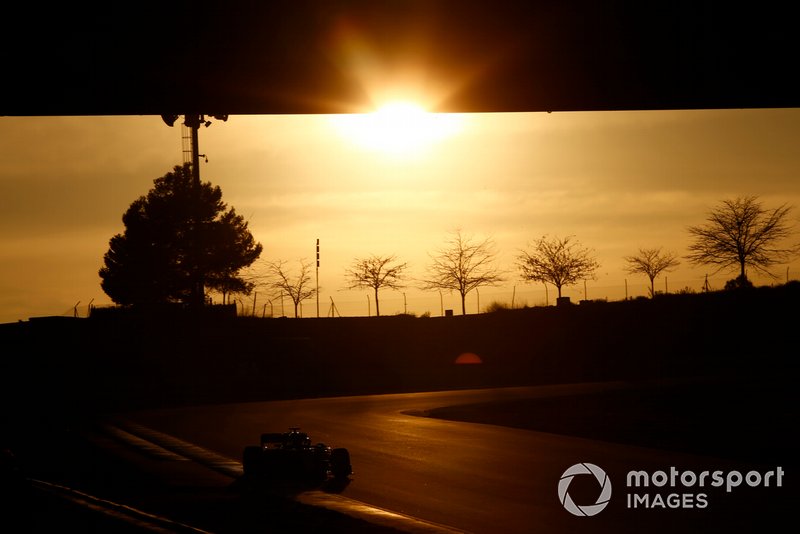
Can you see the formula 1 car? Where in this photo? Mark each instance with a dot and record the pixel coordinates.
(291, 455)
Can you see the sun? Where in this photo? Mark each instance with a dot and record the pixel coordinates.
(399, 128)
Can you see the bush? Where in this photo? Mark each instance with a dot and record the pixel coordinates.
(496, 306)
(740, 282)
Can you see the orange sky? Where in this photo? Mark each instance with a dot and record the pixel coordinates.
(615, 180)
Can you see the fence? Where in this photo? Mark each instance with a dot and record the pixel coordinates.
(433, 303)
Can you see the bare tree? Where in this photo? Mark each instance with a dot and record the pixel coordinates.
(463, 265)
(376, 272)
(561, 262)
(296, 286)
(651, 263)
(741, 233)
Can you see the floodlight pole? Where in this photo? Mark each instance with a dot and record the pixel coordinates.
(194, 125)
(193, 122)
(200, 290)
(195, 155)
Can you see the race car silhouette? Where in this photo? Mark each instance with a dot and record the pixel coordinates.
(292, 455)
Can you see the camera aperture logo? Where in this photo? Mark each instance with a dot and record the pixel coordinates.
(587, 509)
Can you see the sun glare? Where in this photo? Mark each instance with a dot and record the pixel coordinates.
(398, 128)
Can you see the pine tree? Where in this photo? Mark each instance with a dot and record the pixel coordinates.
(179, 240)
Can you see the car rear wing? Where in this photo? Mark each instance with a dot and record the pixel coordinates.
(271, 440)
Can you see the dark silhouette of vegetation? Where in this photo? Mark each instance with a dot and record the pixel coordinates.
(651, 263)
(558, 261)
(496, 306)
(296, 286)
(741, 233)
(179, 239)
(240, 285)
(463, 265)
(376, 272)
(740, 282)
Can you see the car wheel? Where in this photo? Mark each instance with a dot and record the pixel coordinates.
(340, 463)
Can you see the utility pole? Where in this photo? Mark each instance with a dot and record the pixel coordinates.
(317, 277)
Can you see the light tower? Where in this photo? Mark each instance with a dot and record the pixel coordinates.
(191, 154)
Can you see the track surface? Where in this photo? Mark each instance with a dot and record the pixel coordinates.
(472, 477)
